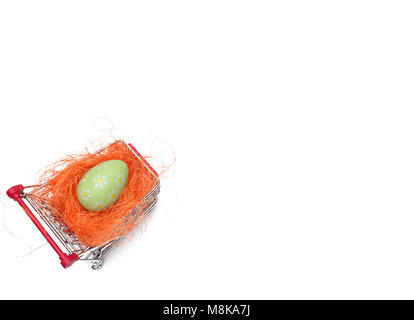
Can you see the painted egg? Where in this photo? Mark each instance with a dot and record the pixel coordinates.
(102, 185)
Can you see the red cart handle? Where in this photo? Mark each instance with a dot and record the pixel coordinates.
(15, 193)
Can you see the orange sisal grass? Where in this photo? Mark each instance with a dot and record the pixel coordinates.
(94, 228)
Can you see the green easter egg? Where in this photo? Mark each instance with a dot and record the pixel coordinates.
(102, 185)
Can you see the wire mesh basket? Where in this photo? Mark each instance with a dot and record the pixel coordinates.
(70, 248)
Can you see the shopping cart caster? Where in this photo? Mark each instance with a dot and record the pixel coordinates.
(96, 264)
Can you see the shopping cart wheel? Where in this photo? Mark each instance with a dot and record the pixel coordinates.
(96, 264)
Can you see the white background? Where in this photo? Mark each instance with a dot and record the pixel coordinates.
(292, 127)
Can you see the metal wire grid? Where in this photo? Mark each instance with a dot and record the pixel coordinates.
(69, 240)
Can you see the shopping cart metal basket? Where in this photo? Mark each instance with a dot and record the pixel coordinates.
(69, 248)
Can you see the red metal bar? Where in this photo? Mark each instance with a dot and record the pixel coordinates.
(15, 193)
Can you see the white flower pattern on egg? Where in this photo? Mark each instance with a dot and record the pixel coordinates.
(99, 205)
(84, 178)
(113, 194)
(100, 181)
(101, 165)
(119, 180)
(102, 185)
(86, 194)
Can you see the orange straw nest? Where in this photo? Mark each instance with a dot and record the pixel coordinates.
(58, 191)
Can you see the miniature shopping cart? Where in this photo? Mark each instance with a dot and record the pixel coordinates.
(71, 249)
